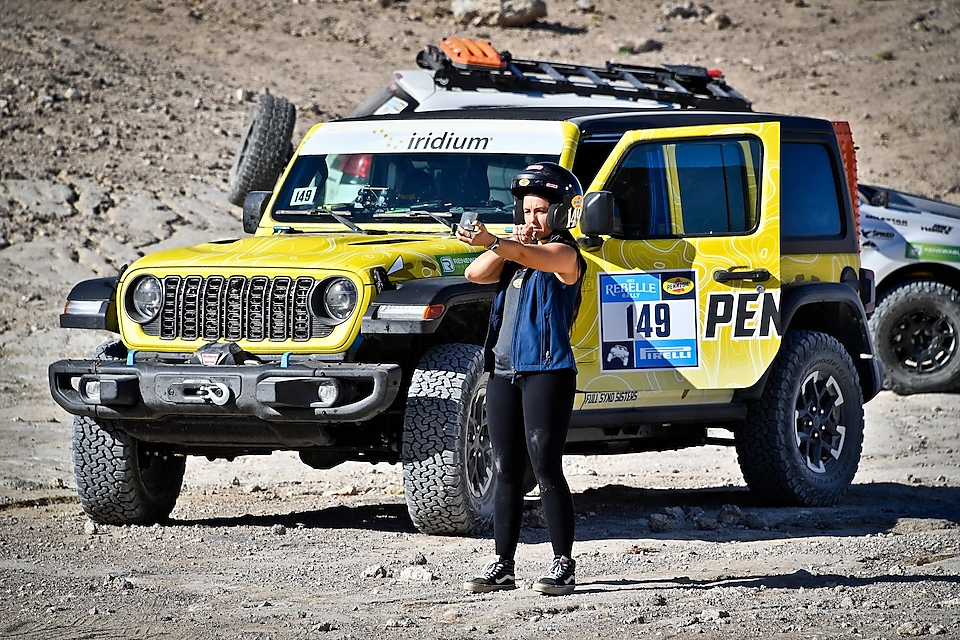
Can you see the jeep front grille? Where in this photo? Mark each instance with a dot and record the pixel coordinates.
(237, 308)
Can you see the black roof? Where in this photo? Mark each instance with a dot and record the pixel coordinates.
(609, 119)
(627, 121)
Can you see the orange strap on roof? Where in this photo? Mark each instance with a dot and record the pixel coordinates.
(467, 53)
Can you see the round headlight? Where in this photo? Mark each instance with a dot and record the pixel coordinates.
(340, 299)
(146, 299)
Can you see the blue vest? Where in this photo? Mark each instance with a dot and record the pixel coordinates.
(541, 336)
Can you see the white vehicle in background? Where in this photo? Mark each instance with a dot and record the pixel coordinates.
(912, 244)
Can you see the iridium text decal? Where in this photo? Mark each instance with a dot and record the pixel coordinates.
(447, 141)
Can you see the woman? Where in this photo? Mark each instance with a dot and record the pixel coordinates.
(533, 371)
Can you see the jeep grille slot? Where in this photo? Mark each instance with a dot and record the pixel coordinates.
(279, 311)
(237, 308)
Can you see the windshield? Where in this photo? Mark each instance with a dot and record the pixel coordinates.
(401, 187)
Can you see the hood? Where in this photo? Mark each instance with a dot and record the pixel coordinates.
(402, 256)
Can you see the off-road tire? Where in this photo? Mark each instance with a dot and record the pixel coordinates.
(916, 329)
(801, 442)
(265, 148)
(447, 458)
(121, 480)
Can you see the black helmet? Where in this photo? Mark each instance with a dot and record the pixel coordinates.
(560, 188)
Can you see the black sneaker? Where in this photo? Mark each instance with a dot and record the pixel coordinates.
(498, 575)
(560, 579)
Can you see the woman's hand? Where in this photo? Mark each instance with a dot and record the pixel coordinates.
(479, 238)
(486, 268)
(523, 233)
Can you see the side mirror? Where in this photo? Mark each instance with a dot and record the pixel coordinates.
(597, 218)
(253, 207)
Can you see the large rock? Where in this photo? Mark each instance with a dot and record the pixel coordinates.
(502, 13)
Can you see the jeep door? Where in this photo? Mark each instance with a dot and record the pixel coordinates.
(681, 302)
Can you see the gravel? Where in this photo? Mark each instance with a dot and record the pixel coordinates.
(118, 132)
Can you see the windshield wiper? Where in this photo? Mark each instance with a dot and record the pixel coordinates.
(434, 208)
(345, 221)
(332, 211)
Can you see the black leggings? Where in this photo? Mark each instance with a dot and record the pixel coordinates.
(531, 415)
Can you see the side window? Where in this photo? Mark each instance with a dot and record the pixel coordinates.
(687, 188)
(810, 197)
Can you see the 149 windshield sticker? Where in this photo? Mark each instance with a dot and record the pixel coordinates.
(303, 195)
(648, 320)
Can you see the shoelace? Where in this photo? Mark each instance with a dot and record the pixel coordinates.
(492, 569)
(557, 569)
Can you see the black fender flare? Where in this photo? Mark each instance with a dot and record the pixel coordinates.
(834, 308)
(89, 316)
(439, 294)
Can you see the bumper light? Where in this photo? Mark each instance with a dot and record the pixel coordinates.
(327, 392)
(299, 392)
(114, 390)
(90, 390)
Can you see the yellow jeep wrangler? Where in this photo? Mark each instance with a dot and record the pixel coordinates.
(724, 295)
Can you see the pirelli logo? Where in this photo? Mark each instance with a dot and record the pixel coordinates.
(666, 354)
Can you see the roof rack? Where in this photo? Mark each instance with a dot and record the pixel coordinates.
(474, 64)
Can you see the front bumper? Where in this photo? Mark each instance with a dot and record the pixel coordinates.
(276, 394)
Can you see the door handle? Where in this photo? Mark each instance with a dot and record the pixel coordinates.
(734, 273)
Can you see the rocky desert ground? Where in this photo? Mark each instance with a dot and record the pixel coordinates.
(118, 124)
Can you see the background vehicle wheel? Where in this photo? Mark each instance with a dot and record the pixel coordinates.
(265, 148)
(800, 444)
(120, 480)
(447, 458)
(916, 328)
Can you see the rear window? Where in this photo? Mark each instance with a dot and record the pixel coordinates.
(810, 196)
